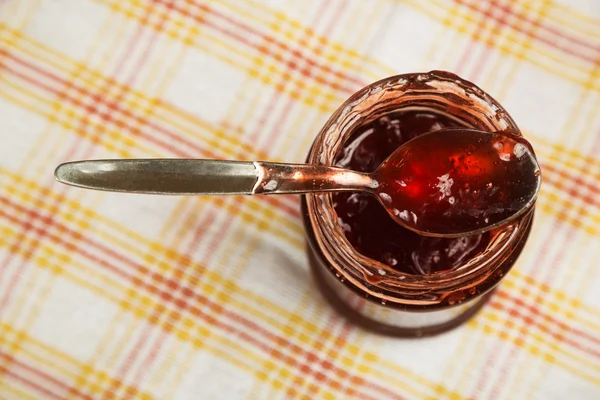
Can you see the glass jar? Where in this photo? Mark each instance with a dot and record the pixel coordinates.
(381, 299)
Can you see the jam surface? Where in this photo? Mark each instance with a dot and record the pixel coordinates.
(368, 226)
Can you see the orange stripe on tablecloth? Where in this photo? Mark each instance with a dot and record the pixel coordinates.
(90, 108)
(492, 39)
(535, 311)
(558, 295)
(63, 236)
(325, 40)
(129, 308)
(531, 349)
(297, 53)
(558, 61)
(50, 56)
(29, 383)
(254, 205)
(128, 114)
(165, 295)
(48, 379)
(522, 17)
(592, 198)
(564, 217)
(549, 355)
(137, 311)
(315, 90)
(13, 390)
(555, 148)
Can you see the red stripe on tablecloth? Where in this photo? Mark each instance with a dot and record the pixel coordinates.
(143, 340)
(291, 391)
(511, 309)
(268, 110)
(259, 332)
(206, 219)
(91, 108)
(468, 52)
(333, 320)
(498, 23)
(238, 25)
(42, 387)
(489, 364)
(115, 107)
(569, 330)
(558, 178)
(306, 71)
(552, 42)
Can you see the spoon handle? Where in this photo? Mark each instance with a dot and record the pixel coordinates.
(208, 177)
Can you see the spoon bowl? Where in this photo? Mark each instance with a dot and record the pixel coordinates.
(458, 181)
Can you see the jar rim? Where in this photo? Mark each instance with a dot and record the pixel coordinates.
(439, 90)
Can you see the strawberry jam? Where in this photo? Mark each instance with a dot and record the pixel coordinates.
(368, 226)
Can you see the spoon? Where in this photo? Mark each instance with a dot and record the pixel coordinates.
(447, 183)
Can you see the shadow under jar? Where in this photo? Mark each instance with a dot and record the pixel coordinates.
(378, 274)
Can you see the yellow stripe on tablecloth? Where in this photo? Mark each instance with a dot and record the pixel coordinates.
(255, 205)
(150, 304)
(525, 42)
(357, 58)
(270, 219)
(49, 114)
(233, 287)
(19, 393)
(557, 59)
(55, 360)
(512, 282)
(569, 16)
(146, 301)
(188, 125)
(556, 147)
(549, 208)
(143, 312)
(393, 369)
(257, 64)
(535, 350)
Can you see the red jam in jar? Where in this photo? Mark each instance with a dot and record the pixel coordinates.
(368, 226)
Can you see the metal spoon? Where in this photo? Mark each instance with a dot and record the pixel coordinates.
(425, 200)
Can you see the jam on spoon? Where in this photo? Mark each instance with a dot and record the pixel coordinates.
(458, 180)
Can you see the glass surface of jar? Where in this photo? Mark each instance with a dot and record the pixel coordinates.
(372, 294)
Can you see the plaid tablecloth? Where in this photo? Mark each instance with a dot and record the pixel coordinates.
(114, 296)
